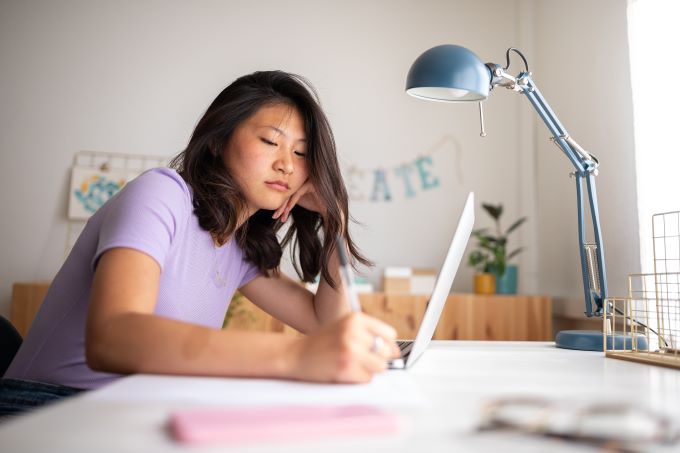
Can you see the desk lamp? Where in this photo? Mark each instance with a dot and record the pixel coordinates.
(452, 73)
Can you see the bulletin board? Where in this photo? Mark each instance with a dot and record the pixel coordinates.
(95, 177)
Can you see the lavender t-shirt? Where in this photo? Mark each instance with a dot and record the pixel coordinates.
(152, 214)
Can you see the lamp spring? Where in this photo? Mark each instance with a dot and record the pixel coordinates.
(593, 267)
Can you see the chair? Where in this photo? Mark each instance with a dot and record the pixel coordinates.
(10, 340)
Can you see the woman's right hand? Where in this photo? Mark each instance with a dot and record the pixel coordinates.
(342, 351)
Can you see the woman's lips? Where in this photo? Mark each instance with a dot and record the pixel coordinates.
(277, 185)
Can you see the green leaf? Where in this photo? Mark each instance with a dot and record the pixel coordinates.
(484, 241)
(491, 239)
(490, 254)
(479, 260)
(515, 225)
(496, 268)
(475, 257)
(515, 252)
(493, 210)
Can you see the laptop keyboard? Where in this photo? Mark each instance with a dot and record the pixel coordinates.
(405, 347)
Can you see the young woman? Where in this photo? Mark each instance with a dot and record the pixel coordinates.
(147, 285)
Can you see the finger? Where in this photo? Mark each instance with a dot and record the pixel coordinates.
(367, 328)
(378, 327)
(279, 210)
(365, 360)
(373, 362)
(388, 349)
(292, 201)
(381, 351)
(304, 190)
(395, 350)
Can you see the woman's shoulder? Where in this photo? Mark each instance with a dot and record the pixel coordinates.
(157, 200)
(157, 189)
(162, 181)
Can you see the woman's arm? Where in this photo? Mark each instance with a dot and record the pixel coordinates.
(124, 336)
(329, 304)
(294, 305)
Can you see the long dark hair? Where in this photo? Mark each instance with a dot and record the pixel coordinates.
(219, 203)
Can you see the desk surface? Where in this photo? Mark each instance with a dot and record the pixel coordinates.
(454, 379)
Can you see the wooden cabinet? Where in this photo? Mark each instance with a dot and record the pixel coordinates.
(26, 300)
(496, 317)
(465, 316)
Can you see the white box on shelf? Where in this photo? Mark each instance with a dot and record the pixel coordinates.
(398, 272)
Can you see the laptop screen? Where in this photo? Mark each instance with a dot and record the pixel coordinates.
(445, 279)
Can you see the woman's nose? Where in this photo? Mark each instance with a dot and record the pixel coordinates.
(284, 164)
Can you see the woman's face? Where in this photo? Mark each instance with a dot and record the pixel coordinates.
(266, 156)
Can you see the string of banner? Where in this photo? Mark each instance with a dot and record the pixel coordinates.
(404, 181)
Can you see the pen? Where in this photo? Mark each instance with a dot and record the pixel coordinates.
(346, 276)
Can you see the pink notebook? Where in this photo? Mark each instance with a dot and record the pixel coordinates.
(280, 423)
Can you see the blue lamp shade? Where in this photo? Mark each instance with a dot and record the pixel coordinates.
(448, 73)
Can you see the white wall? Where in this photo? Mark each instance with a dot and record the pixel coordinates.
(583, 71)
(134, 77)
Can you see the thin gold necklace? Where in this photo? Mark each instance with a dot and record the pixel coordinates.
(218, 278)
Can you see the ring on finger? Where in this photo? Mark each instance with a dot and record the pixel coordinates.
(377, 344)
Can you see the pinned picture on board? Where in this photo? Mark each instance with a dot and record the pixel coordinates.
(91, 187)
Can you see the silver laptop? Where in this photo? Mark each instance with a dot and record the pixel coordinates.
(411, 350)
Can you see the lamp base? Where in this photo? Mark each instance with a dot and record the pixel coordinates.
(592, 340)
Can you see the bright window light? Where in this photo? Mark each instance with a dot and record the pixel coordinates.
(655, 76)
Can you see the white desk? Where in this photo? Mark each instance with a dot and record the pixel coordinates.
(454, 378)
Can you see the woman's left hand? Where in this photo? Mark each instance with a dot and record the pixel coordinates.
(307, 197)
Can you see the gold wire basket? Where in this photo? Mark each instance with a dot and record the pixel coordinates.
(645, 326)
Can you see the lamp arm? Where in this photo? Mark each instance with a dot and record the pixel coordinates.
(585, 165)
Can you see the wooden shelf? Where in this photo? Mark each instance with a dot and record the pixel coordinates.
(496, 317)
(465, 316)
(26, 300)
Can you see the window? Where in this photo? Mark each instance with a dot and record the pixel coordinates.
(655, 78)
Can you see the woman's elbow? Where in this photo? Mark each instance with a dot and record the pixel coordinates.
(102, 354)
(94, 358)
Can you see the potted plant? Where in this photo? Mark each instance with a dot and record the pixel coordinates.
(491, 257)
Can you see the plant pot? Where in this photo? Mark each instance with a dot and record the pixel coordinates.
(507, 283)
(485, 283)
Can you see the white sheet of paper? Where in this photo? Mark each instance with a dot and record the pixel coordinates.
(389, 389)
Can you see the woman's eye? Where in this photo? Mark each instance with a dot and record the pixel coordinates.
(300, 154)
(268, 142)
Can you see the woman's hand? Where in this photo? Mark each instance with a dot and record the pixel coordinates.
(342, 351)
(307, 197)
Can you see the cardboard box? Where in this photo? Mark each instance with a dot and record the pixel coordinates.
(422, 281)
(397, 280)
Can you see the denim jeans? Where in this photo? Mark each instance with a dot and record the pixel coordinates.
(18, 395)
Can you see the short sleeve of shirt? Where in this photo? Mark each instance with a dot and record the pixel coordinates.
(251, 271)
(146, 215)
